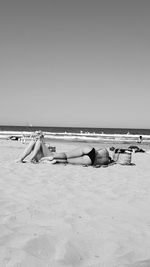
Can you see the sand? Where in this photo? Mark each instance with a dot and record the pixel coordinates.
(73, 216)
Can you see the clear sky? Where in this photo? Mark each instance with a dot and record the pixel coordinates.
(75, 63)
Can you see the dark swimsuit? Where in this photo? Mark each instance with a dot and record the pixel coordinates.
(92, 155)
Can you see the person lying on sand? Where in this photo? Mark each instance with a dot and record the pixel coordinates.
(85, 155)
(37, 147)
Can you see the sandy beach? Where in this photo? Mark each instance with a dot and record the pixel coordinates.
(73, 216)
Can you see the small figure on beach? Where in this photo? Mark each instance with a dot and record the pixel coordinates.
(140, 139)
(37, 147)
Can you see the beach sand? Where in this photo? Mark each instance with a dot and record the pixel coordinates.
(73, 216)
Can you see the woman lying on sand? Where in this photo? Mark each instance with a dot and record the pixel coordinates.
(86, 155)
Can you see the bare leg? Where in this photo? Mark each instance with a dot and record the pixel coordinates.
(78, 152)
(40, 151)
(83, 160)
(77, 156)
(27, 150)
(55, 157)
(37, 152)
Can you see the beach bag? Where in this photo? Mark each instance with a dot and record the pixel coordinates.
(123, 158)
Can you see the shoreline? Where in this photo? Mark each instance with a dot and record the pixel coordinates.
(65, 144)
(83, 137)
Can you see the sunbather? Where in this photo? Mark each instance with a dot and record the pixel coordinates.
(85, 155)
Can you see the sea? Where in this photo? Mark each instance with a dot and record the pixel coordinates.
(103, 136)
(52, 129)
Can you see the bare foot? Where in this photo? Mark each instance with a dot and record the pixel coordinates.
(19, 161)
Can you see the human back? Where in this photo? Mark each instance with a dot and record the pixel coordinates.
(102, 157)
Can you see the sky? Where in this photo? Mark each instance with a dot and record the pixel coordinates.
(75, 63)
